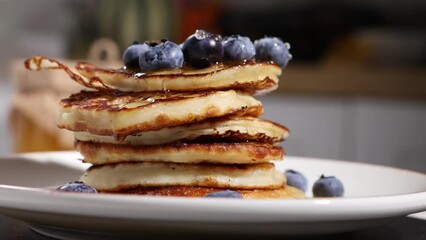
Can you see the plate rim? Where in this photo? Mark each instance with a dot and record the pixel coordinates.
(407, 203)
(330, 210)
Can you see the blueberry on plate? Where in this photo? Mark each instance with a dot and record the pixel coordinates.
(224, 194)
(202, 49)
(296, 179)
(272, 49)
(328, 187)
(133, 52)
(76, 186)
(238, 48)
(164, 55)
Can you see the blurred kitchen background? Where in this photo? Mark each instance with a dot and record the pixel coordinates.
(355, 90)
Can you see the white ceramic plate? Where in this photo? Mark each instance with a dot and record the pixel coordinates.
(373, 194)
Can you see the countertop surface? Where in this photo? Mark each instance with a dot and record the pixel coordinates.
(396, 229)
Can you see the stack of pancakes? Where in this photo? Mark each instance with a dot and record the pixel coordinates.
(180, 132)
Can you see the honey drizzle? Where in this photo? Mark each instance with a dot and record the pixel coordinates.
(40, 63)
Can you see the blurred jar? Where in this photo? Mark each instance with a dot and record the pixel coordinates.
(34, 109)
(35, 104)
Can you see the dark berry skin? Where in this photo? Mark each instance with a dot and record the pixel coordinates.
(203, 49)
(296, 179)
(272, 49)
(238, 49)
(131, 54)
(224, 194)
(76, 186)
(162, 56)
(328, 187)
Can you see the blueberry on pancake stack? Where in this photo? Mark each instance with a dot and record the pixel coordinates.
(180, 120)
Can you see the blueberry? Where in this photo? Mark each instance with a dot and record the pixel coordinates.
(238, 48)
(131, 54)
(76, 186)
(296, 179)
(272, 49)
(328, 187)
(202, 49)
(164, 55)
(224, 194)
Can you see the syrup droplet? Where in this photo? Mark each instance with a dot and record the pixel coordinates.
(150, 100)
(140, 74)
(287, 45)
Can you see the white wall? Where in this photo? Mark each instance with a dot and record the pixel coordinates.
(381, 131)
(5, 96)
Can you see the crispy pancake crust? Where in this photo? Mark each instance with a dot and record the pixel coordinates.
(285, 192)
(222, 153)
(123, 114)
(251, 77)
(223, 129)
(128, 175)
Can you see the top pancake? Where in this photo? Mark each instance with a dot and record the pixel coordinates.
(254, 78)
(123, 114)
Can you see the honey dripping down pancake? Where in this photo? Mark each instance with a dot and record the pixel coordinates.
(230, 128)
(123, 114)
(220, 153)
(253, 78)
(126, 175)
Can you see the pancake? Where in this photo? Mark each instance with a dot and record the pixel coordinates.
(221, 153)
(119, 177)
(232, 128)
(285, 192)
(252, 77)
(123, 114)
